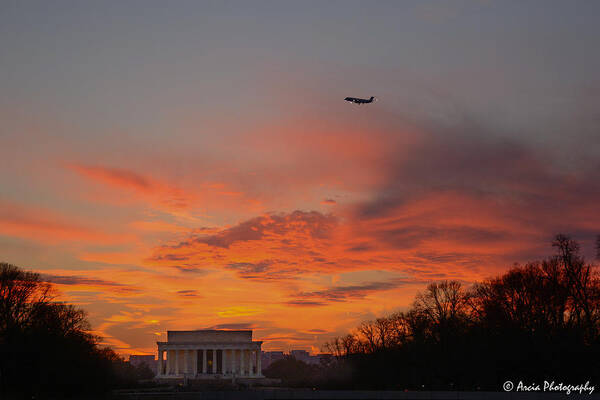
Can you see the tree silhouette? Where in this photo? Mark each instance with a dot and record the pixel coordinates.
(292, 371)
(22, 295)
(46, 346)
(534, 322)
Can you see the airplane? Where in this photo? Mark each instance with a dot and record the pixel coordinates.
(356, 100)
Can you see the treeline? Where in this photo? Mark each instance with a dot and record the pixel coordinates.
(539, 321)
(46, 346)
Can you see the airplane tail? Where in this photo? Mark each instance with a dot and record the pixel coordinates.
(371, 99)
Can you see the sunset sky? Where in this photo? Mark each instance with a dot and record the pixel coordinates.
(189, 165)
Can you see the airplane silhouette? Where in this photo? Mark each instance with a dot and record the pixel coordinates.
(356, 100)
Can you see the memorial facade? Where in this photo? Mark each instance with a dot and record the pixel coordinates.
(209, 353)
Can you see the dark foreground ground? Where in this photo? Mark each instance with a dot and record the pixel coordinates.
(299, 394)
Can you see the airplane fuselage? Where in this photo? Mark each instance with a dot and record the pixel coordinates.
(357, 100)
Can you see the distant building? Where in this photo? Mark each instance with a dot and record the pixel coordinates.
(269, 357)
(209, 353)
(323, 358)
(137, 360)
(301, 355)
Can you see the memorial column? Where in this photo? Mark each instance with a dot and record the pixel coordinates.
(242, 363)
(214, 361)
(204, 361)
(252, 359)
(195, 362)
(223, 365)
(234, 368)
(259, 362)
(186, 361)
(160, 363)
(169, 361)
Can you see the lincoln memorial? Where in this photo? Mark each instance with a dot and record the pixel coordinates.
(209, 353)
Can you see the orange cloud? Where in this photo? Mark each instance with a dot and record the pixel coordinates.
(116, 177)
(272, 246)
(164, 195)
(186, 203)
(49, 227)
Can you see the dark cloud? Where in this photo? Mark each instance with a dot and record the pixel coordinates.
(423, 264)
(80, 280)
(427, 274)
(535, 191)
(170, 257)
(411, 236)
(247, 325)
(312, 223)
(77, 280)
(305, 303)
(250, 268)
(189, 269)
(360, 247)
(188, 293)
(350, 292)
(266, 270)
(466, 157)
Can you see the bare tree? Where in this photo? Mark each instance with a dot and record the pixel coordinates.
(343, 346)
(441, 301)
(383, 329)
(367, 331)
(579, 280)
(400, 331)
(22, 293)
